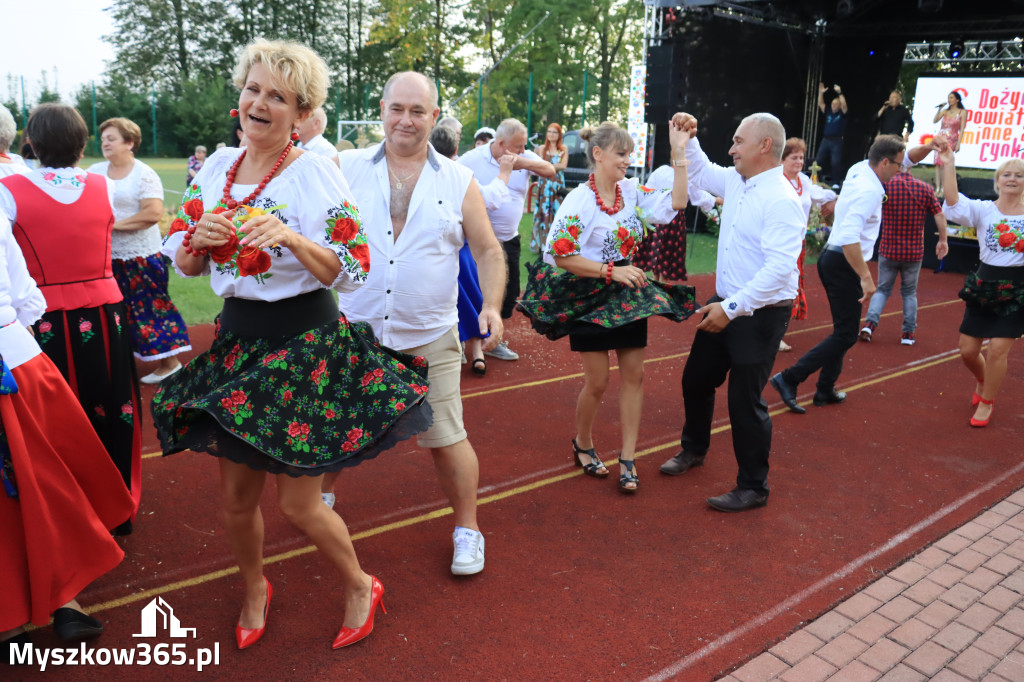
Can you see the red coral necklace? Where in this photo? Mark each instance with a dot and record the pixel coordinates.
(798, 185)
(597, 195)
(230, 203)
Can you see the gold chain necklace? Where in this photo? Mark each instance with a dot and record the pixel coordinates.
(398, 180)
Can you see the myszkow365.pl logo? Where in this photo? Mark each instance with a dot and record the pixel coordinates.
(157, 618)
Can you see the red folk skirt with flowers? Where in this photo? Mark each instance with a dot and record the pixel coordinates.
(91, 348)
(61, 497)
(301, 404)
(800, 302)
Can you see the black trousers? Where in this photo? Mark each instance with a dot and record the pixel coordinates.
(512, 248)
(842, 285)
(745, 352)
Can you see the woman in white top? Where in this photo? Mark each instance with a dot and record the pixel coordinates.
(995, 293)
(810, 194)
(602, 301)
(158, 332)
(60, 494)
(289, 386)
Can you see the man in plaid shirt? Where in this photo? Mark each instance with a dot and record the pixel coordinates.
(908, 201)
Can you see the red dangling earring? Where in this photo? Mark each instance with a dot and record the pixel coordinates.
(234, 113)
(295, 136)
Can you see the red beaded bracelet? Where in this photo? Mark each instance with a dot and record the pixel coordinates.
(608, 275)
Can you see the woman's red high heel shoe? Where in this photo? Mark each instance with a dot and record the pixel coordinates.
(978, 423)
(348, 635)
(246, 637)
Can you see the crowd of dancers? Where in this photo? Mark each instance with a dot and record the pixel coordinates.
(300, 385)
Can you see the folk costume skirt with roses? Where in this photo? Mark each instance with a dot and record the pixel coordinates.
(60, 498)
(157, 329)
(91, 348)
(292, 387)
(995, 302)
(556, 301)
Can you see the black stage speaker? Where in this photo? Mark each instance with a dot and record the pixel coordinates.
(721, 71)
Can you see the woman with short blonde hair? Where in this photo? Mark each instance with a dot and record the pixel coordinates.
(288, 386)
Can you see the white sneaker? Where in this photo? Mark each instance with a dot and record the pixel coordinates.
(469, 551)
(328, 499)
(502, 352)
(154, 378)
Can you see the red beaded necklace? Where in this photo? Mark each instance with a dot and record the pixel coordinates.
(230, 203)
(798, 185)
(597, 195)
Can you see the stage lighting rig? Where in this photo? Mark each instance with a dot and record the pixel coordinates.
(956, 48)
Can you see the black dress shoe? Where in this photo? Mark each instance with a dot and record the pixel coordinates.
(73, 626)
(739, 499)
(8, 645)
(681, 463)
(787, 392)
(829, 397)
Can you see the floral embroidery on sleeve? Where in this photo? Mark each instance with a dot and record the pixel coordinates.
(189, 212)
(623, 241)
(344, 234)
(1005, 237)
(646, 190)
(565, 236)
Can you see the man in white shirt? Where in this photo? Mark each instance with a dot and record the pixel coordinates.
(843, 268)
(505, 205)
(311, 135)
(418, 209)
(762, 232)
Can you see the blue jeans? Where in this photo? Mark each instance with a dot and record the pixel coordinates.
(831, 150)
(887, 271)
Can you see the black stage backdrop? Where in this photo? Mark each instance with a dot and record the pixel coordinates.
(721, 70)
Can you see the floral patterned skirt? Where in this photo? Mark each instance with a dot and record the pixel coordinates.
(995, 302)
(91, 348)
(548, 202)
(556, 300)
(300, 404)
(800, 302)
(157, 330)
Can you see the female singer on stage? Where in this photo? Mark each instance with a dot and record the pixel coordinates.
(288, 386)
(586, 286)
(954, 122)
(994, 294)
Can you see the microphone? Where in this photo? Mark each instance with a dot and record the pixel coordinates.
(939, 106)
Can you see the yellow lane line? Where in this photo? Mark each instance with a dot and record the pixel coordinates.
(446, 511)
(577, 375)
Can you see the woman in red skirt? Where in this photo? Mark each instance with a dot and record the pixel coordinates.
(61, 495)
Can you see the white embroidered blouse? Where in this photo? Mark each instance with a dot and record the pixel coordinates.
(580, 228)
(310, 196)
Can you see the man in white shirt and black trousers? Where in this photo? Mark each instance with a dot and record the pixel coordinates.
(505, 203)
(762, 232)
(843, 268)
(418, 209)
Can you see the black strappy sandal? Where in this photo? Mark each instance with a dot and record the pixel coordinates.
(628, 477)
(595, 465)
(479, 367)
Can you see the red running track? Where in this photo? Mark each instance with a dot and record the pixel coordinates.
(582, 582)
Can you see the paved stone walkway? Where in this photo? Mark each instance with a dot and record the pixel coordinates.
(954, 612)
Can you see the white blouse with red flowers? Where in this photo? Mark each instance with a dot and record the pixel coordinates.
(1000, 236)
(310, 196)
(580, 228)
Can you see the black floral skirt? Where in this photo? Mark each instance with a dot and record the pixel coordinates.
(994, 298)
(556, 300)
(301, 403)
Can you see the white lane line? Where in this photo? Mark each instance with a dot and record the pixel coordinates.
(790, 603)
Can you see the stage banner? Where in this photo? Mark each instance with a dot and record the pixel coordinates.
(995, 116)
(636, 126)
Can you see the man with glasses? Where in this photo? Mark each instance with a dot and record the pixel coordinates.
(843, 267)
